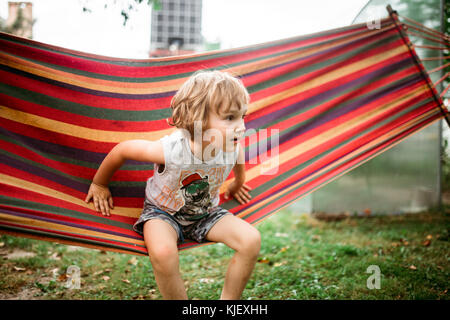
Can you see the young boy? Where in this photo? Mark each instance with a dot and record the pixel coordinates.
(182, 196)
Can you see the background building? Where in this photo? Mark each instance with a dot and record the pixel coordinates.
(176, 27)
(20, 19)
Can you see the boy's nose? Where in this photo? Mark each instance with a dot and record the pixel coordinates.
(241, 127)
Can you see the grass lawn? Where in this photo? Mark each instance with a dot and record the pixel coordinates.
(301, 258)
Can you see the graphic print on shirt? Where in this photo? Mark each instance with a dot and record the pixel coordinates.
(197, 199)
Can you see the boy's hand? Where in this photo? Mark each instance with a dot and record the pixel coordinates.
(101, 196)
(239, 191)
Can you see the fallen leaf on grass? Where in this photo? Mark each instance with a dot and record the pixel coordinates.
(284, 249)
(106, 278)
(126, 281)
(429, 237)
(62, 277)
(281, 235)
(54, 272)
(133, 261)
(206, 280)
(19, 269)
(263, 260)
(315, 237)
(412, 267)
(279, 264)
(151, 294)
(98, 273)
(54, 256)
(426, 243)
(101, 271)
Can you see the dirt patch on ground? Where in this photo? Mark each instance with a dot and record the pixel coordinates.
(25, 294)
(17, 254)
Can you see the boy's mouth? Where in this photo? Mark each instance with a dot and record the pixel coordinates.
(236, 139)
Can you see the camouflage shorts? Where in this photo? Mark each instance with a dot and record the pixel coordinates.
(196, 231)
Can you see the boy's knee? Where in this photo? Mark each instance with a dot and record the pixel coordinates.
(163, 256)
(251, 243)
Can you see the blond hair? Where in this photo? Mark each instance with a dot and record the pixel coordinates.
(203, 92)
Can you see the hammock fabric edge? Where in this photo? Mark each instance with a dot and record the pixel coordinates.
(338, 98)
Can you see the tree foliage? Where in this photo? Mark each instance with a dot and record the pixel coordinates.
(127, 6)
(428, 12)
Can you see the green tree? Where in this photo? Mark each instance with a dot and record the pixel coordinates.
(127, 6)
(428, 12)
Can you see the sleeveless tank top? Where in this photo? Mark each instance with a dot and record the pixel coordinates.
(184, 184)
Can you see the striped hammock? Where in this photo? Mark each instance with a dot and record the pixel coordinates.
(323, 103)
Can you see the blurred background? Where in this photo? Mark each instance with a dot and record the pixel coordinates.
(129, 28)
(413, 176)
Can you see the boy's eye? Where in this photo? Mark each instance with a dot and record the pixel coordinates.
(231, 117)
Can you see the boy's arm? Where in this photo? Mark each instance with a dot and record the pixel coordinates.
(140, 150)
(238, 189)
(239, 167)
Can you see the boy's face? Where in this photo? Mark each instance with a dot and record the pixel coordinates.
(225, 129)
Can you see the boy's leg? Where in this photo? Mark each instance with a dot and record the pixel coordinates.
(161, 242)
(246, 241)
